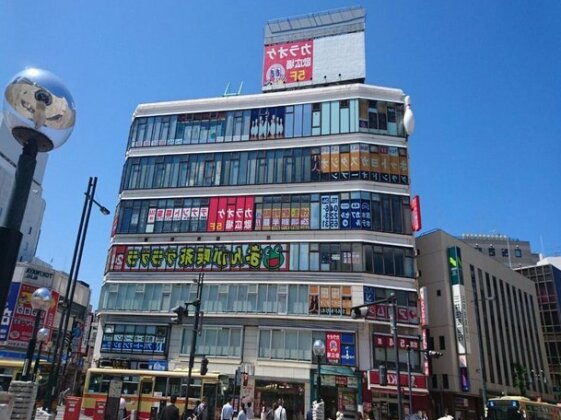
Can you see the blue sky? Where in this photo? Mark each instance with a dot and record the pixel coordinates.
(484, 78)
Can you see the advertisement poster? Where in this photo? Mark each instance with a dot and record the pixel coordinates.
(9, 311)
(333, 348)
(23, 320)
(288, 64)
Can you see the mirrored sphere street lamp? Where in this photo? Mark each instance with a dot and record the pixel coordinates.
(40, 114)
(41, 301)
(318, 348)
(42, 338)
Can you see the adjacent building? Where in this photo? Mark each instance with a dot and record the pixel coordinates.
(546, 275)
(17, 323)
(512, 252)
(295, 204)
(484, 317)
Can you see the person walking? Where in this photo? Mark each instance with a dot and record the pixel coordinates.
(249, 411)
(280, 412)
(202, 410)
(227, 411)
(122, 408)
(242, 415)
(170, 412)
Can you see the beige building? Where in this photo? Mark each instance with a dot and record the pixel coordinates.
(484, 318)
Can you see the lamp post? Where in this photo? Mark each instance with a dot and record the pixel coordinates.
(429, 354)
(183, 311)
(40, 113)
(42, 337)
(319, 351)
(89, 200)
(41, 301)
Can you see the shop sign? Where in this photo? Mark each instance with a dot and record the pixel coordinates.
(9, 311)
(288, 64)
(348, 357)
(333, 353)
(160, 365)
(417, 381)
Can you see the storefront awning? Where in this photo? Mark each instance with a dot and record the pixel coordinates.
(417, 392)
(336, 370)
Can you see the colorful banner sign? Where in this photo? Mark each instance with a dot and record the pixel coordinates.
(418, 382)
(9, 311)
(187, 257)
(21, 329)
(230, 214)
(333, 347)
(416, 222)
(288, 64)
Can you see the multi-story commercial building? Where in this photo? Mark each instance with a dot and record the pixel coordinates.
(512, 252)
(10, 150)
(547, 278)
(484, 318)
(295, 204)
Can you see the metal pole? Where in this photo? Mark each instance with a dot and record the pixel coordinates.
(318, 381)
(31, 348)
(36, 366)
(482, 370)
(409, 380)
(68, 296)
(10, 235)
(393, 319)
(197, 305)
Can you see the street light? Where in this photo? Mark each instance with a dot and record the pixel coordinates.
(42, 337)
(181, 312)
(318, 349)
(41, 301)
(40, 113)
(429, 354)
(89, 200)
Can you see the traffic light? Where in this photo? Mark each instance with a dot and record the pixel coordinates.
(432, 354)
(180, 312)
(359, 312)
(204, 365)
(383, 374)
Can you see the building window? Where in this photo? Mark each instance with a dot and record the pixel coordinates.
(477, 247)
(518, 252)
(445, 384)
(438, 292)
(442, 342)
(491, 251)
(504, 252)
(214, 341)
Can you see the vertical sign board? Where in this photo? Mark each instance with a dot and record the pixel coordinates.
(9, 311)
(455, 268)
(416, 222)
(113, 399)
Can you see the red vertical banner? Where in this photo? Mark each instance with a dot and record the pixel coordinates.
(212, 210)
(248, 213)
(230, 214)
(238, 216)
(416, 222)
(221, 214)
(333, 350)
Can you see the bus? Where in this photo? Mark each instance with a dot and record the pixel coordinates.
(515, 408)
(147, 391)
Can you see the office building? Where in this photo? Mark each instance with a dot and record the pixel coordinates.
(512, 252)
(547, 278)
(295, 204)
(484, 318)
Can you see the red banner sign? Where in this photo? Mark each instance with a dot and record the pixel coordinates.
(380, 340)
(227, 214)
(405, 314)
(417, 381)
(288, 64)
(333, 344)
(21, 328)
(416, 222)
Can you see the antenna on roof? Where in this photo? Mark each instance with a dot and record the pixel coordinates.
(227, 93)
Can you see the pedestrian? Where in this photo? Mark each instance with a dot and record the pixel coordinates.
(242, 415)
(202, 410)
(310, 414)
(194, 413)
(280, 412)
(270, 413)
(227, 410)
(249, 411)
(170, 412)
(122, 408)
(446, 416)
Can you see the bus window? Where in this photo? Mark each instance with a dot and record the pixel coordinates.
(146, 386)
(174, 386)
(160, 387)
